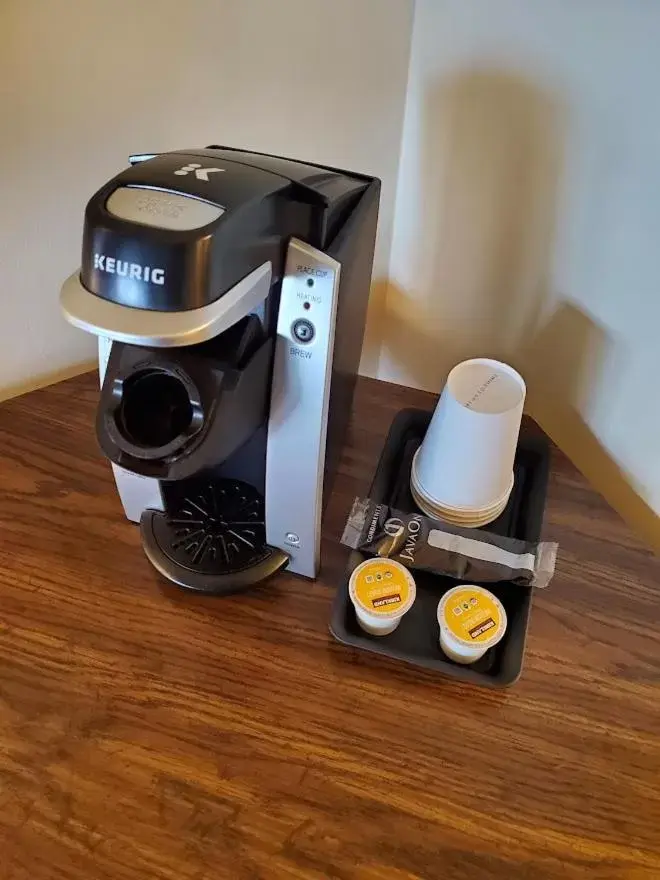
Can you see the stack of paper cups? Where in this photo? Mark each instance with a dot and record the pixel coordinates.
(463, 471)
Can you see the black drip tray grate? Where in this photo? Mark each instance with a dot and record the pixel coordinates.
(212, 536)
(216, 528)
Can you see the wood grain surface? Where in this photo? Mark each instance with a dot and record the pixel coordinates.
(149, 733)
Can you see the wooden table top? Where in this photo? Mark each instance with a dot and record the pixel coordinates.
(150, 733)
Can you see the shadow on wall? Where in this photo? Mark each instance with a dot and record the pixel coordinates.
(482, 211)
(571, 365)
(375, 330)
(566, 358)
(491, 160)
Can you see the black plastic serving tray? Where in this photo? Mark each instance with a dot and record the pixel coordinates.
(416, 638)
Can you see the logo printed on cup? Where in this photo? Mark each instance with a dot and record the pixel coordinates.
(477, 394)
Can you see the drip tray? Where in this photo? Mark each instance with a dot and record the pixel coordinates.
(211, 537)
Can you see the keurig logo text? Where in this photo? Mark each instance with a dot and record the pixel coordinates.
(133, 271)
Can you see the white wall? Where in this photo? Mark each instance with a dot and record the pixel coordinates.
(83, 83)
(528, 209)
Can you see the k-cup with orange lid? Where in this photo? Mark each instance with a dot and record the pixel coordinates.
(382, 591)
(471, 620)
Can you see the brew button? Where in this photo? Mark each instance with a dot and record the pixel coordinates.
(292, 539)
(303, 330)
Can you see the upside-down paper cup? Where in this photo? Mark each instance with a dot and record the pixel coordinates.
(465, 463)
(471, 521)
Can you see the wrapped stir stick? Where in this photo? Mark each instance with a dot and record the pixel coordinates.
(419, 542)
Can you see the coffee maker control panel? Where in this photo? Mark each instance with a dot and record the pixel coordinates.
(297, 426)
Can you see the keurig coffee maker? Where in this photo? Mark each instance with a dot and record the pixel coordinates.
(228, 291)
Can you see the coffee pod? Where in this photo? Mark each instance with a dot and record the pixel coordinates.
(471, 621)
(381, 591)
(465, 462)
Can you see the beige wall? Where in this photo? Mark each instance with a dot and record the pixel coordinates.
(528, 213)
(83, 83)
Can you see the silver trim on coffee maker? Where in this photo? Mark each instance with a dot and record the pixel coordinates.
(163, 329)
(300, 396)
(161, 208)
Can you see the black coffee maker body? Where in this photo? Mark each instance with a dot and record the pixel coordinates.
(228, 291)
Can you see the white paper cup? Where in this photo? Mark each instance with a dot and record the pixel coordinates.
(466, 459)
(471, 620)
(382, 591)
(460, 512)
(468, 522)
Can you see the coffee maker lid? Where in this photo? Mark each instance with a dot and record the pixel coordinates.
(163, 329)
(176, 247)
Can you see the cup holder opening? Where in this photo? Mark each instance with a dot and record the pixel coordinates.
(155, 409)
